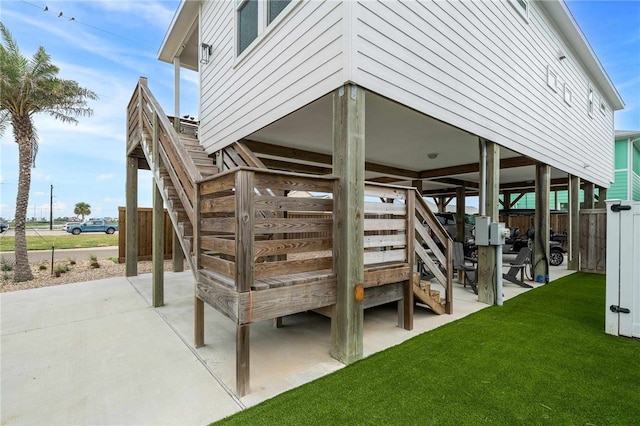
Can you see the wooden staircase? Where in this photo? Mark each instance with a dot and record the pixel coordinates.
(424, 294)
(177, 161)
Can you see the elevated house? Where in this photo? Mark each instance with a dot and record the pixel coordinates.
(359, 101)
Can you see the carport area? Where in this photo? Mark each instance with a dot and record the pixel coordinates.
(98, 353)
(445, 163)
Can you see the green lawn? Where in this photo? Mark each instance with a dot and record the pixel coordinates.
(542, 358)
(65, 241)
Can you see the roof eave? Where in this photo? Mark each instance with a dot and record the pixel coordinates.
(178, 31)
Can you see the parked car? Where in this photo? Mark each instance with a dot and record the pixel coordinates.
(3, 228)
(91, 225)
(450, 223)
(556, 250)
(66, 226)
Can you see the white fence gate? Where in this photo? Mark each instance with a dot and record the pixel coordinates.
(622, 316)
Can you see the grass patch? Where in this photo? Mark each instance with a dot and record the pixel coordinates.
(543, 358)
(68, 241)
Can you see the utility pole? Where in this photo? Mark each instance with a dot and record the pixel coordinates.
(51, 210)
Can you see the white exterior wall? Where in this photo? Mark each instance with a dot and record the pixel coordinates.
(482, 67)
(295, 61)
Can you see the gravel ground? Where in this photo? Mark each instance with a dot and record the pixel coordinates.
(80, 271)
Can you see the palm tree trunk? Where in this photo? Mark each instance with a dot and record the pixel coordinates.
(23, 133)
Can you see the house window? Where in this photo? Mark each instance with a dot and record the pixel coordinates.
(552, 79)
(603, 107)
(247, 23)
(568, 95)
(253, 16)
(275, 7)
(522, 6)
(591, 100)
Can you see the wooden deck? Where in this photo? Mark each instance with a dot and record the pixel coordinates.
(259, 250)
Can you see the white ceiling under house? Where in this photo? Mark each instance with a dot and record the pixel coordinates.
(402, 146)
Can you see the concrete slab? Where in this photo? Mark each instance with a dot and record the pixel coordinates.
(284, 358)
(97, 353)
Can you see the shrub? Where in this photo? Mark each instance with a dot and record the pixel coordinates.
(6, 265)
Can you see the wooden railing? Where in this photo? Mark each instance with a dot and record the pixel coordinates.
(148, 123)
(436, 257)
(150, 128)
(246, 233)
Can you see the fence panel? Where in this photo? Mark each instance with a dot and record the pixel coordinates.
(593, 240)
(145, 231)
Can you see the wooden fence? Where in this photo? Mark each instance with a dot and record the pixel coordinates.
(145, 232)
(593, 240)
(559, 222)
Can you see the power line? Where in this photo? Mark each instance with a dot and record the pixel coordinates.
(73, 19)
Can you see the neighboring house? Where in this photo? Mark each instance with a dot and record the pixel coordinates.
(626, 185)
(360, 99)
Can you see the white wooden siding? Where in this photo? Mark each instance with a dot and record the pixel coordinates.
(481, 67)
(295, 63)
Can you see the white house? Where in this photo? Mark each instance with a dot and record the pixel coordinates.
(450, 97)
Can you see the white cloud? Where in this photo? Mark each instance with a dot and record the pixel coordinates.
(104, 176)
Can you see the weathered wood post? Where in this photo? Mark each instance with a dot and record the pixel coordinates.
(131, 218)
(178, 254)
(487, 273)
(244, 271)
(158, 224)
(460, 220)
(348, 234)
(588, 199)
(198, 308)
(541, 225)
(574, 223)
(602, 197)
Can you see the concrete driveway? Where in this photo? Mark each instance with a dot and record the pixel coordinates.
(97, 353)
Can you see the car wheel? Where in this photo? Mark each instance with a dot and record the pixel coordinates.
(76, 231)
(110, 231)
(556, 258)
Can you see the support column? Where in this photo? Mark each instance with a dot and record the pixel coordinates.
(574, 223)
(177, 254)
(158, 225)
(460, 220)
(348, 246)
(487, 273)
(588, 189)
(602, 196)
(131, 215)
(417, 184)
(176, 93)
(442, 204)
(541, 225)
(506, 205)
(460, 212)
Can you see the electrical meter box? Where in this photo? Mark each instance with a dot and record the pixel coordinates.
(482, 230)
(497, 234)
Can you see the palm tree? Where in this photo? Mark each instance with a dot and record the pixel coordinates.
(28, 87)
(82, 209)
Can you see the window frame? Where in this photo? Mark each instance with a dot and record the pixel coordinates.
(591, 101)
(264, 27)
(522, 7)
(568, 95)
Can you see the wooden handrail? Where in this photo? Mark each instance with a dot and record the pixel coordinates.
(445, 259)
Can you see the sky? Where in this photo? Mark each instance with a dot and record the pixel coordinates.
(109, 44)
